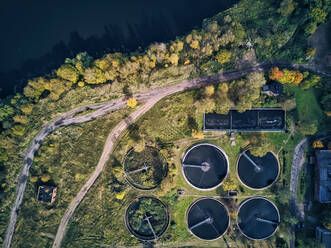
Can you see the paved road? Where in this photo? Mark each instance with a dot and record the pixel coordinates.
(68, 118)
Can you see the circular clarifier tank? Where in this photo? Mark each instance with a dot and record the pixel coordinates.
(146, 169)
(258, 218)
(205, 166)
(257, 172)
(207, 218)
(147, 218)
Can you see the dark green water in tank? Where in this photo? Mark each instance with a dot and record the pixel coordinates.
(36, 36)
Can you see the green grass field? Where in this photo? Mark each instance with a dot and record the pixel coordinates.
(307, 106)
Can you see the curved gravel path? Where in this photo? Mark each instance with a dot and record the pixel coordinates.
(297, 163)
(151, 97)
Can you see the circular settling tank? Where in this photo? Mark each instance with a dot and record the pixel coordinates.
(257, 172)
(147, 218)
(207, 218)
(145, 170)
(258, 218)
(205, 166)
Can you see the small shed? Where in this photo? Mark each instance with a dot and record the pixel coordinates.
(46, 194)
(273, 89)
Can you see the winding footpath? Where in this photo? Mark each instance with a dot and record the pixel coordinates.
(68, 118)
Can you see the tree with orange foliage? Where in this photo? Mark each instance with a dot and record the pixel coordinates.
(286, 76)
(276, 74)
(318, 144)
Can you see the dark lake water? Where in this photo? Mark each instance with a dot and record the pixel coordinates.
(36, 36)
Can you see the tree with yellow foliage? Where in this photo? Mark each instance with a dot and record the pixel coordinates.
(318, 144)
(33, 179)
(174, 59)
(223, 56)
(132, 102)
(120, 195)
(22, 119)
(27, 109)
(195, 44)
(68, 72)
(35, 88)
(188, 39)
(233, 215)
(177, 46)
(229, 184)
(94, 75)
(223, 87)
(197, 134)
(18, 130)
(209, 90)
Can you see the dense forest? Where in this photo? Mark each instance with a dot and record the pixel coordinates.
(252, 31)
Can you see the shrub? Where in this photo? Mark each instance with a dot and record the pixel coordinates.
(33, 179)
(45, 178)
(197, 134)
(310, 28)
(120, 195)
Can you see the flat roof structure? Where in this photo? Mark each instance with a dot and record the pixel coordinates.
(323, 176)
(46, 194)
(254, 120)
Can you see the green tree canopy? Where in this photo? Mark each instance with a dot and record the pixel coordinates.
(6, 111)
(287, 7)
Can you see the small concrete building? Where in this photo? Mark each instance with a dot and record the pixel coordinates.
(323, 176)
(323, 236)
(46, 194)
